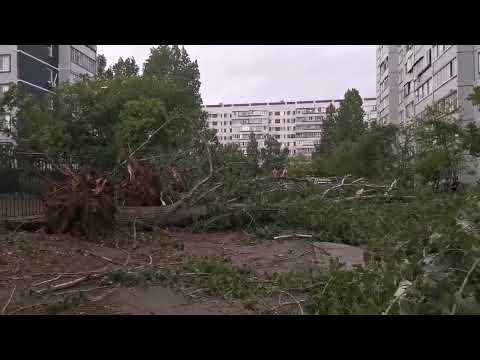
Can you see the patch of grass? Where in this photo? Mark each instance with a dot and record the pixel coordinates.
(125, 278)
(69, 302)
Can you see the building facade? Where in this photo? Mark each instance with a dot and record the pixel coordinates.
(38, 69)
(412, 77)
(295, 124)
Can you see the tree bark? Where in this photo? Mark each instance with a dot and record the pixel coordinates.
(126, 216)
(159, 215)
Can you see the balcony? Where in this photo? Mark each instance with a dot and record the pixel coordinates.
(308, 127)
(306, 111)
(303, 119)
(250, 113)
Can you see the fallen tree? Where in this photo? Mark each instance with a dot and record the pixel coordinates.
(84, 205)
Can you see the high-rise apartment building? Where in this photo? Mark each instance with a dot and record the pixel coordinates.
(295, 124)
(412, 77)
(39, 68)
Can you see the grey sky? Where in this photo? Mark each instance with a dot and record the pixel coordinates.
(251, 73)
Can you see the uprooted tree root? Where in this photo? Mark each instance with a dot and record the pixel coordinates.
(83, 206)
(144, 188)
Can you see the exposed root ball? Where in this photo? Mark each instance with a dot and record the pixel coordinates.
(85, 205)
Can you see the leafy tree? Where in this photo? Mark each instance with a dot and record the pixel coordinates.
(102, 117)
(272, 156)
(349, 122)
(440, 149)
(472, 139)
(328, 125)
(102, 72)
(173, 64)
(299, 166)
(253, 154)
(475, 96)
(101, 65)
(127, 67)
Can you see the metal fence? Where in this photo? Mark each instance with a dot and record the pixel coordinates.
(26, 177)
(23, 181)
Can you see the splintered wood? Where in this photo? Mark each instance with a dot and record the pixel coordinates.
(84, 205)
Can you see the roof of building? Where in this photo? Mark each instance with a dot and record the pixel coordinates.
(282, 103)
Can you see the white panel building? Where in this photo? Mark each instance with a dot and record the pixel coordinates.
(412, 77)
(295, 124)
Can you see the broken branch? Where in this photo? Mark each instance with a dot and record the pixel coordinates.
(9, 300)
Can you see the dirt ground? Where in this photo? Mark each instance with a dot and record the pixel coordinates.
(31, 264)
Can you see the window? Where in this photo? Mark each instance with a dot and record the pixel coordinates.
(50, 50)
(428, 58)
(448, 103)
(277, 121)
(423, 90)
(383, 67)
(83, 60)
(288, 112)
(5, 63)
(409, 64)
(407, 89)
(384, 84)
(214, 123)
(445, 73)
(277, 113)
(401, 115)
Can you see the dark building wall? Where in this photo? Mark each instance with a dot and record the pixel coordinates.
(41, 52)
(34, 71)
(40, 95)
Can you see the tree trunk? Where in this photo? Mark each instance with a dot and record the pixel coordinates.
(126, 216)
(159, 215)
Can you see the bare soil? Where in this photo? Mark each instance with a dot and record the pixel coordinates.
(34, 262)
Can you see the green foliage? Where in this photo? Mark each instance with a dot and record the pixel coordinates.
(328, 128)
(426, 246)
(69, 302)
(101, 67)
(472, 139)
(172, 64)
(125, 68)
(299, 166)
(475, 96)
(272, 155)
(103, 118)
(253, 154)
(349, 123)
(440, 148)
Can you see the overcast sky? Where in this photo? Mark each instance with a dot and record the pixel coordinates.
(258, 73)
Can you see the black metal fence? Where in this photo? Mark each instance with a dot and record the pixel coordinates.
(23, 181)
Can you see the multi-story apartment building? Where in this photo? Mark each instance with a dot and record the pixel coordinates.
(295, 124)
(39, 68)
(412, 77)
